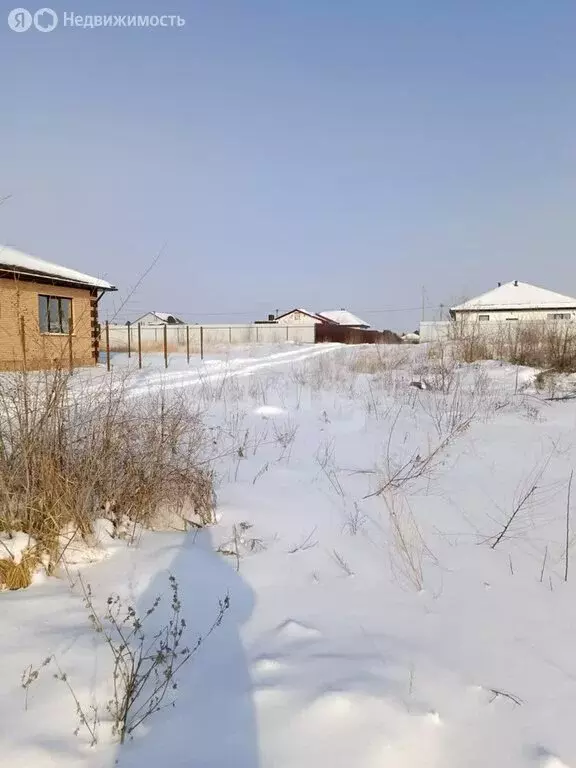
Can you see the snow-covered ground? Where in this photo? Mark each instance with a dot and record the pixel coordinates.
(399, 597)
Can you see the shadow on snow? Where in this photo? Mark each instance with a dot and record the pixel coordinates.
(212, 724)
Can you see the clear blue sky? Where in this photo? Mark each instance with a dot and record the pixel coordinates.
(317, 153)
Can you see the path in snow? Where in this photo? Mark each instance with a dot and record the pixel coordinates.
(217, 370)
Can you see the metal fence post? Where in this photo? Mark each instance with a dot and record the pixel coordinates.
(107, 345)
(129, 339)
(139, 346)
(165, 346)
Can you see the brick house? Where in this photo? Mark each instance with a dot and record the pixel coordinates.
(48, 313)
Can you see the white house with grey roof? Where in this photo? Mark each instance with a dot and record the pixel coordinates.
(506, 306)
(516, 301)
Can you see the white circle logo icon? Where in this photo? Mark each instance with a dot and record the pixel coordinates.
(45, 20)
(19, 20)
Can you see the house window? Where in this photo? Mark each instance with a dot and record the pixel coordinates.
(559, 316)
(55, 314)
(483, 318)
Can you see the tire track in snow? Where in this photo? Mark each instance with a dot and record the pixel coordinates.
(228, 369)
(226, 366)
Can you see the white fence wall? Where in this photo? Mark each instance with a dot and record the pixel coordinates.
(435, 330)
(213, 336)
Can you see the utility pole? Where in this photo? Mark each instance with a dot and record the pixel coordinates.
(423, 302)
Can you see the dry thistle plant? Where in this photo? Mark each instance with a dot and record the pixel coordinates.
(408, 549)
(531, 493)
(308, 542)
(341, 562)
(240, 543)
(355, 520)
(144, 665)
(326, 461)
(406, 472)
(284, 437)
(451, 414)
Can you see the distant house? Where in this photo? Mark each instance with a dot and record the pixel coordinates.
(300, 317)
(159, 318)
(332, 317)
(343, 317)
(516, 301)
(48, 313)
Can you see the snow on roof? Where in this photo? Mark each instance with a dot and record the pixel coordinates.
(305, 311)
(342, 317)
(18, 261)
(517, 295)
(299, 309)
(165, 316)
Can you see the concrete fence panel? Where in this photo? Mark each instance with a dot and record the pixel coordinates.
(211, 337)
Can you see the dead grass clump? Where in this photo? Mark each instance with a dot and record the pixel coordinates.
(546, 381)
(440, 369)
(378, 359)
(71, 453)
(541, 344)
(560, 347)
(17, 574)
(145, 346)
(325, 372)
(408, 549)
(473, 349)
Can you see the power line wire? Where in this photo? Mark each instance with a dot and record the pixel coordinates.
(245, 313)
(140, 280)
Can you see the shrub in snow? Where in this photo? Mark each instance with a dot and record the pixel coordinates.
(72, 451)
(145, 661)
(546, 344)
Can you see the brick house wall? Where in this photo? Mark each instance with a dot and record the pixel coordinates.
(24, 346)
